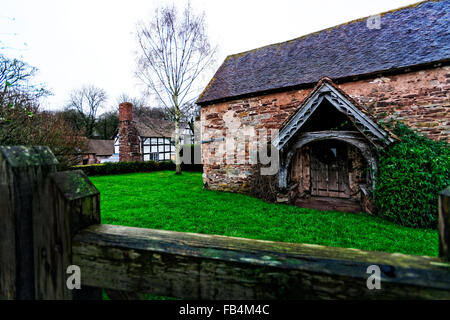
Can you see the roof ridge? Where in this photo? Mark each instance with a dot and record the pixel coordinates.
(412, 5)
(409, 38)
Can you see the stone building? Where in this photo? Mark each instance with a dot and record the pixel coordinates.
(321, 101)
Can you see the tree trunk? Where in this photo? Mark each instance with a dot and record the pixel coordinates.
(177, 142)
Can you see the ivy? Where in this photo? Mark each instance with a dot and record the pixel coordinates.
(411, 174)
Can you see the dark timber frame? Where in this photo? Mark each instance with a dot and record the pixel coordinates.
(168, 148)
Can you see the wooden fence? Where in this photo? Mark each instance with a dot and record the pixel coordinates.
(50, 220)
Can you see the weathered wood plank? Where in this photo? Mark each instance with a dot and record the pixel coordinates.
(320, 203)
(444, 224)
(196, 266)
(69, 202)
(22, 170)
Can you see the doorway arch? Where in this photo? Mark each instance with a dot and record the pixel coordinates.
(353, 138)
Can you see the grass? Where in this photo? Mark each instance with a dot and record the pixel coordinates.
(163, 200)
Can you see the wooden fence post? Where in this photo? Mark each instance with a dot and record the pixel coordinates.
(40, 211)
(444, 224)
(22, 170)
(69, 203)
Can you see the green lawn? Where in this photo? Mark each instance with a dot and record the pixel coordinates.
(163, 200)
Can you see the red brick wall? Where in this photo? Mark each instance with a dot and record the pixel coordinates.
(129, 147)
(421, 99)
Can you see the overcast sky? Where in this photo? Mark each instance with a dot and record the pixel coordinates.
(76, 42)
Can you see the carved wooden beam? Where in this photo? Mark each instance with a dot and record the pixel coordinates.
(368, 128)
(308, 137)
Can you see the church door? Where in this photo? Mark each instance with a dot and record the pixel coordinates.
(329, 170)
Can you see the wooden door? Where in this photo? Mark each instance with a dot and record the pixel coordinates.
(329, 170)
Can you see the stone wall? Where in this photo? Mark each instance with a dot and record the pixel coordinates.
(421, 99)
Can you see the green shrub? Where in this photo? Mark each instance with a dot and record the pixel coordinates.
(411, 173)
(124, 167)
(132, 166)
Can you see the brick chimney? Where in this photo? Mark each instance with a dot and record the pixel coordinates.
(129, 149)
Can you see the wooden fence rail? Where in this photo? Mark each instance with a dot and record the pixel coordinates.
(50, 220)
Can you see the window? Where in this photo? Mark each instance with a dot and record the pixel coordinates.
(158, 149)
(154, 156)
(116, 145)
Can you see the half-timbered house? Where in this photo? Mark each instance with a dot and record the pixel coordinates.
(143, 138)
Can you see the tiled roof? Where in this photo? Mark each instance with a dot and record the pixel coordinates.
(411, 36)
(152, 127)
(101, 147)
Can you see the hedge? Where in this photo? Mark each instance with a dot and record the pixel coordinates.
(411, 173)
(133, 166)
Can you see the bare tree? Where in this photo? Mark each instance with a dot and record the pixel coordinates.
(86, 102)
(107, 124)
(136, 102)
(174, 51)
(23, 123)
(14, 73)
(141, 107)
(189, 112)
(16, 81)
